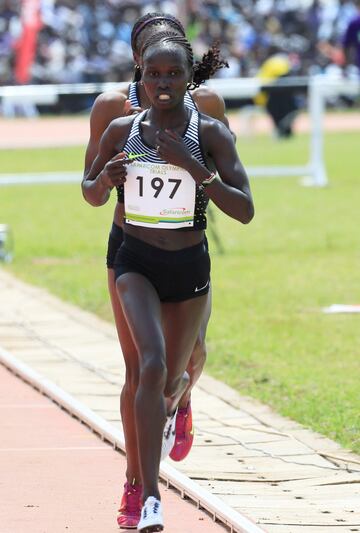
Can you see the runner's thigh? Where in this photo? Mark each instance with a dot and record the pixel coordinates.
(181, 324)
(142, 310)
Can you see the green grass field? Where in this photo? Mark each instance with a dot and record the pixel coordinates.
(267, 336)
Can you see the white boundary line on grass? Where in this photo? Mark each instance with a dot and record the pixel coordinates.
(216, 507)
(30, 178)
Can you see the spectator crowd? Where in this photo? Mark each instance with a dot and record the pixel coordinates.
(89, 40)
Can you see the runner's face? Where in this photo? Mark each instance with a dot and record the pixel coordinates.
(165, 76)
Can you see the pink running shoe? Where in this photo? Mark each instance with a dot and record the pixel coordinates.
(184, 434)
(130, 507)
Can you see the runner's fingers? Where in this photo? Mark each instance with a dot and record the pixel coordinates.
(116, 171)
(160, 137)
(120, 159)
(118, 164)
(159, 149)
(117, 180)
(163, 143)
(173, 134)
(169, 141)
(119, 156)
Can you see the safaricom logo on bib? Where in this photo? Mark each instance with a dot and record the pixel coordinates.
(175, 211)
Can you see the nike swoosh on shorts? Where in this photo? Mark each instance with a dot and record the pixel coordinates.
(198, 289)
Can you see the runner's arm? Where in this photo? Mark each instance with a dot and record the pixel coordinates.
(231, 193)
(109, 167)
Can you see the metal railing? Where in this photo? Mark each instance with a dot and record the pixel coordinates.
(319, 89)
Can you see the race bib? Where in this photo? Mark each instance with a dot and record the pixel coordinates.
(161, 196)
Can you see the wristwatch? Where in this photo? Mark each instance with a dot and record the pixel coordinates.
(206, 182)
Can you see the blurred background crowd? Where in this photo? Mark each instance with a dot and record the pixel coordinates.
(89, 40)
(79, 41)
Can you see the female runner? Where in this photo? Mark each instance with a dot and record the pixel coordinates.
(108, 106)
(165, 156)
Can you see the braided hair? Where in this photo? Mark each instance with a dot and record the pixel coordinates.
(155, 19)
(152, 20)
(202, 70)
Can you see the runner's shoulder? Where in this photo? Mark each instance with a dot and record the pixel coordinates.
(213, 128)
(209, 102)
(120, 125)
(110, 104)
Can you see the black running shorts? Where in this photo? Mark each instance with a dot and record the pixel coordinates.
(176, 275)
(115, 241)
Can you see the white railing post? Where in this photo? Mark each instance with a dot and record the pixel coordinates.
(316, 110)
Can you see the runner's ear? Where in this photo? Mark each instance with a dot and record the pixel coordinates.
(137, 73)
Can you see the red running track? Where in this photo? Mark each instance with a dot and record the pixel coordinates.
(58, 477)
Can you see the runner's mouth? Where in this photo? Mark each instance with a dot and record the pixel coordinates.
(164, 97)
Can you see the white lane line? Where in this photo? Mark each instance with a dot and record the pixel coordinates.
(27, 406)
(56, 449)
(40, 177)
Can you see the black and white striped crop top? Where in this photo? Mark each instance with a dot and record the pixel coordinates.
(133, 96)
(135, 144)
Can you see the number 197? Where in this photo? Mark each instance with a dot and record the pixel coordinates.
(157, 184)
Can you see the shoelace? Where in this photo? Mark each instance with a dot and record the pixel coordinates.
(155, 509)
(168, 431)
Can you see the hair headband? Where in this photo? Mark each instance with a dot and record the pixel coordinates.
(146, 22)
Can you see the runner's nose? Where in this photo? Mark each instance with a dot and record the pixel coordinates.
(163, 82)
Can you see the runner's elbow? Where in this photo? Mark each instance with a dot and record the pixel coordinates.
(91, 198)
(249, 214)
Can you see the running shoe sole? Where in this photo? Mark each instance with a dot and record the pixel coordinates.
(151, 529)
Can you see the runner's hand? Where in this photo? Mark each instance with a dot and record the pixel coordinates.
(171, 148)
(114, 172)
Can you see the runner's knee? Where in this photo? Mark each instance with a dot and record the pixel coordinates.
(131, 380)
(153, 372)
